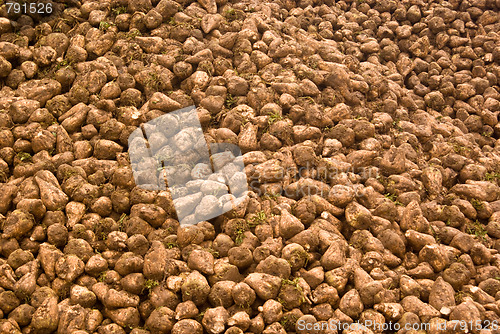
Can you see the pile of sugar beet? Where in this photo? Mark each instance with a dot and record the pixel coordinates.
(370, 134)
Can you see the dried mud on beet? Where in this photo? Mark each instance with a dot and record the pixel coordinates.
(370, 137)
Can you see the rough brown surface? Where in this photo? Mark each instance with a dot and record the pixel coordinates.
(370, 132)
